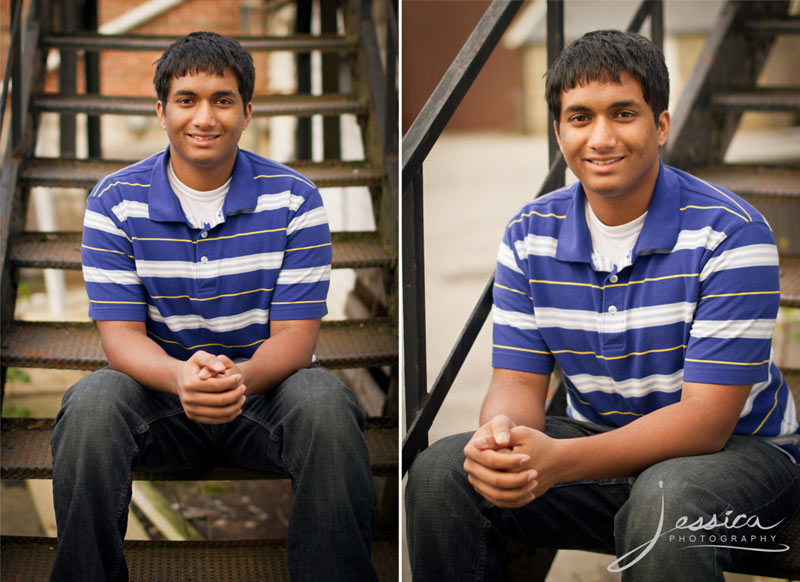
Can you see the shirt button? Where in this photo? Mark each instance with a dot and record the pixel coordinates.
(613, 278)
(203, 234)
(612, 310)
(204, 260)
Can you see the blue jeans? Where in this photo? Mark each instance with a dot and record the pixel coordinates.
(311, 427)
(455, 534)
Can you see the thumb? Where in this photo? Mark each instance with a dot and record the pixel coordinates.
(501, 430)
(210, 361)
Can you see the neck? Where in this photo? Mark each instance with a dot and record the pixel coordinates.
(622, 207)
(202, 178)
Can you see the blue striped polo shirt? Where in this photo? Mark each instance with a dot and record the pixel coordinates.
(695, 301)
(214, 289)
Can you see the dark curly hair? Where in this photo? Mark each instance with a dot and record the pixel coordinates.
(206, 52)
(603, 55)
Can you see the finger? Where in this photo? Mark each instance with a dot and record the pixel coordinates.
(210, 361)
(216, 384)
(501, 430)
(212, 399)
(498, 459)
(500, 479)
(221, 413)
(512, 498)
(227, 362)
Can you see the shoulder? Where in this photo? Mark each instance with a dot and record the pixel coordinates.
(545, 215)
(272, 176)
(129, 183)
(706, 204)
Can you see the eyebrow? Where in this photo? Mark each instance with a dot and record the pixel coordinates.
(615, 105)
(190, 93)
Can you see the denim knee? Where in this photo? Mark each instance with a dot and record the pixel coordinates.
(434, 475)
(93, 405)
(321, 402)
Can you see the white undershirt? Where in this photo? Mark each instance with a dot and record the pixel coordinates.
(199, 207)
(612, 244)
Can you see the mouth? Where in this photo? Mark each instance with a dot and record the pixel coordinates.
(604, 164)
(200, 138)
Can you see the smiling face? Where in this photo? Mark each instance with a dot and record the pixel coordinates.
(610, 141)
(204, 116)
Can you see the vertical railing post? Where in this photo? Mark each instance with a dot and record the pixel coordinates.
(555, 44)
(414, 345)
(67, 76)
(92, 63)
(16, 73)
(657, 23)
(331, 125)
(302, 25)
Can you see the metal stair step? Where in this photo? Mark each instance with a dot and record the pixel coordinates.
(753, 181)
(80, 173)
(62, 250)
(765, 99)
(25, 447)
(76, 345)
(790, 282)
(263, 106)
(142, 42)
(786, 25)
(30, 559)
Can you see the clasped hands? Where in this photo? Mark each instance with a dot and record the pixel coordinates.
(210, 388)
(508, 464)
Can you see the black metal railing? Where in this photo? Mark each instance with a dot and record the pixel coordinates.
(421, 405)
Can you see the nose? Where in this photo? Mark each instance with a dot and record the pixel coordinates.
(602, 136)
(204, 114)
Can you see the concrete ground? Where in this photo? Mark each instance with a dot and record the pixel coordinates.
(473, 184)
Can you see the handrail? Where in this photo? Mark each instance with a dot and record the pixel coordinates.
(417, 143)
(417, 434)
(13, 48)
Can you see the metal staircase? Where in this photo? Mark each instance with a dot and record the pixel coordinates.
(723, 86)
(368, 343)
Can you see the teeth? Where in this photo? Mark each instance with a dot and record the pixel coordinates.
(203, 138)
(605, 163)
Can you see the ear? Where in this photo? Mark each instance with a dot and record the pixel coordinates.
(248, 114)
(558, 137)
(160, 113)
(664, 121)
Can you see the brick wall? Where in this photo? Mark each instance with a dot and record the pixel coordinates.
(131, 73)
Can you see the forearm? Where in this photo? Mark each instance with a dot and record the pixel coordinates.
(289, 348)
(127, 348)
(683, 429)
(519, 397)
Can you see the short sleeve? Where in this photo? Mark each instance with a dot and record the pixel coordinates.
(302, 286)
(517, 343)
(109, 268)
(731, 334)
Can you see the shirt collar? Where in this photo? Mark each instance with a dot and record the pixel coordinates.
(164, 205)
(660, 230)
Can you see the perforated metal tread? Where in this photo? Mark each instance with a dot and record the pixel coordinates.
(25, 448)
(755, 181)
(766, 99)
(790, 281)
(143, 42)
(263, 106)
(29, 559)
(790, 24)
(62, 250)
(76, 345)
(66, 173)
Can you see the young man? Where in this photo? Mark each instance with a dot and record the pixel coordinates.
(656, 293)
(207, 269)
